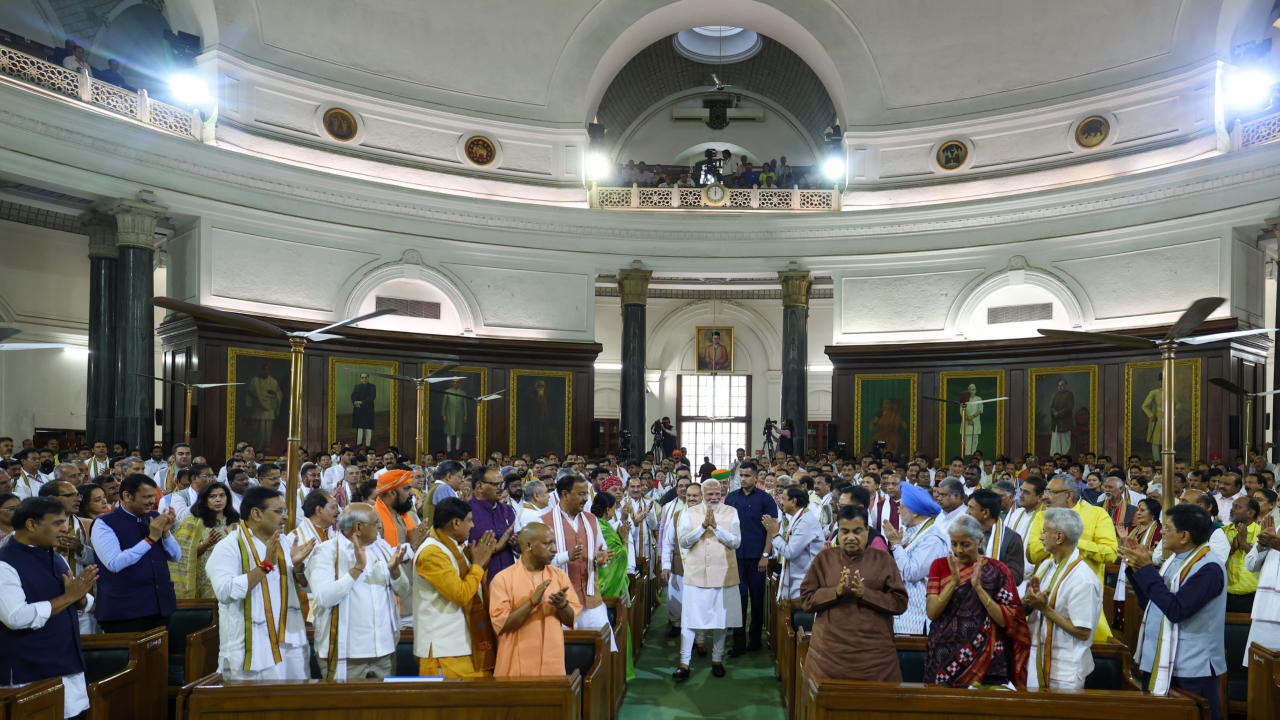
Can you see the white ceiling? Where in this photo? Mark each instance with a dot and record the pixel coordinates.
(883, 62)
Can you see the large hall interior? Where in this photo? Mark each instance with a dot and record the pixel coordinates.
(836, 278)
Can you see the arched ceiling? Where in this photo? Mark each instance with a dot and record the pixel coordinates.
(659, 72)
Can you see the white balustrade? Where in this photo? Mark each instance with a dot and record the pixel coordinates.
(678, 198)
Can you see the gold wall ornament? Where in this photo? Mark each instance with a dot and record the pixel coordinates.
(952, 154)
(340, 124)
(480, 150)
(1092, 131)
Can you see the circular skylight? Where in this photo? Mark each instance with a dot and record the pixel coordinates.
(717, 44)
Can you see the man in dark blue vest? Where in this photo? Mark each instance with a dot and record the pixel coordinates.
(39, 633)
(134, 545)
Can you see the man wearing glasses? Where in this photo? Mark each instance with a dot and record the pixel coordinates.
(181, 501)
(1097, 545)
(490, 515)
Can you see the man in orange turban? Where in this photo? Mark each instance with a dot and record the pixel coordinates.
(395, 508)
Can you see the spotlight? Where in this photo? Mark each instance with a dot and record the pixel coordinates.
(833, 168)
(1247, 89)
(598, 166)
(189, 90)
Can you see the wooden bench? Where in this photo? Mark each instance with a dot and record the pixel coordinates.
(1234, 686)
(193, 642)
(587, 653)
(125, 674)
(619, 621)
(796, 622)
(848, 700)
(1264, 683)
(557, 697)
(40, 700)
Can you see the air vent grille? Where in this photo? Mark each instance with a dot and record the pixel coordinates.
(409, 308)
(1019, 313)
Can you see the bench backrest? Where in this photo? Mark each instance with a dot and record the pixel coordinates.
(189, 617)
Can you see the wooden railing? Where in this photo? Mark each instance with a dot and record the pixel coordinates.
(738, 199)
(137, 105)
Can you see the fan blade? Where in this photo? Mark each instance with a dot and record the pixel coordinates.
(442, 369)
(253, 325)
(942, 400)
(1097, 337)
(1214, 337)
(1266, 393)
(8, 332)
(490, 396)
(315, 335)
(406, 378)
(434, 380)
(991, 400)
(1229, 386)
(36, 346)
(203, 386)
(1193, 316)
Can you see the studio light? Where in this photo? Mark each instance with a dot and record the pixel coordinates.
(189, 90)
(1247, 89)
(833, 168)
(598, 166)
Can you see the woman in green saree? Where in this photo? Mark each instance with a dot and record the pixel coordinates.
(613, 578)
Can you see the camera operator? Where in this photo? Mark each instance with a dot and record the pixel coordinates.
(664, 437)
(786, 439)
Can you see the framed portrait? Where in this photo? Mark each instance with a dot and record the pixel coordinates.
(541, 412)
(362, 405)
(258, 411)
(714, 348)
(1063, 408)
(456, 423)
(1144, 408)
(884, 410)
(977, 426)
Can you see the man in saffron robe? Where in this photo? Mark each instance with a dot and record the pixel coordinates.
(530, 604)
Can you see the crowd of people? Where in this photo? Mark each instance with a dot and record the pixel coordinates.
(999, 563)
(717, 167)
(75, 57)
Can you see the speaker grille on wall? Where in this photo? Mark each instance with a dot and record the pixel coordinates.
(1019, 313)
(409, 308)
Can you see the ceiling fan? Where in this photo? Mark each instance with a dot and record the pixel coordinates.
(1239, 391)
(477, 398)
(720, 86)
(8, 332)
(190, 389)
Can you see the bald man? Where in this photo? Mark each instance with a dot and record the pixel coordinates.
(530, 604)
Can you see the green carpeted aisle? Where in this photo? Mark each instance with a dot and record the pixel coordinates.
(748, 692)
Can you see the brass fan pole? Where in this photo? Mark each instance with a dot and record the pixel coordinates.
(1167, 427)
(1248, 429)
(296, 344)
(186, 428)
(420, 438)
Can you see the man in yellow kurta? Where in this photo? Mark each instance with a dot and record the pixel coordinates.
(530, 604)
(1098, 545)
(452, 635)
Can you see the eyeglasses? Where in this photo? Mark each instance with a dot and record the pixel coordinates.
(68, 495)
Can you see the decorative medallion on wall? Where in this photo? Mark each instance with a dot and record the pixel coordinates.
(340, 124)
(480, 150)
(1092, 131)
(952, 154)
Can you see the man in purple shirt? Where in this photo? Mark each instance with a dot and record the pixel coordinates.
(489, 515)
(752, 505)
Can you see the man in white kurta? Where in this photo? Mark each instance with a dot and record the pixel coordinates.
(671, 553)
(533, 504)
(254, 579)
(644, 521)
(710, 534)
(795, 541)
(1063, 603)
(355, 578)
(1264, 559)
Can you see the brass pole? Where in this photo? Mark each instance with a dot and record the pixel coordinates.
(296, 344)
(1248, 429)
(186, 429)
(1167, 429)
(420, 438)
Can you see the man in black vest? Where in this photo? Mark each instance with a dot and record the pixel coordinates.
(134, 545)
(38, 640)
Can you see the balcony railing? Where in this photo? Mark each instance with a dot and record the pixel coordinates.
(682, 198)
(79, 85)
(1262, 130)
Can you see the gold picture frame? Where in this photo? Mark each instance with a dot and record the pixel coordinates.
(1070, 374)
(1141, 379)
(343, 376)
(544, 428)
(254, 395)
(989, 383)
(708, 360)
(434, 403)
(882, 398)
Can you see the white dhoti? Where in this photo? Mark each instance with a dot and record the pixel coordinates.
(1265, 633)
(675, 595)
(294, 665)
(594, 619)
(711, 608)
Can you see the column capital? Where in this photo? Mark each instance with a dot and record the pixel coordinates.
(1274, 224)
(633, 286)
(101, 230)
(796, 285)
(135, 220)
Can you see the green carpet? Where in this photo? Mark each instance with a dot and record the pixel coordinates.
(748, 692)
